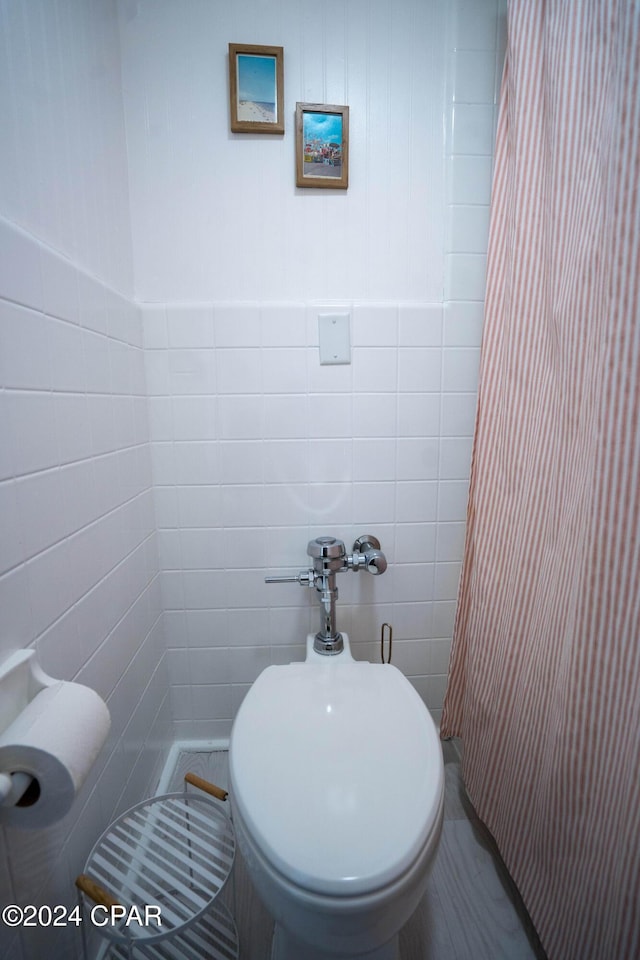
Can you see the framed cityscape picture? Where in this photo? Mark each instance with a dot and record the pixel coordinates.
(256, 88)
(322, 145)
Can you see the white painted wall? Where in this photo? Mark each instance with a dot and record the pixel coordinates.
(256, 447)
(217, 216)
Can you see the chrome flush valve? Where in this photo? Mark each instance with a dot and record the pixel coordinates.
(330, 557)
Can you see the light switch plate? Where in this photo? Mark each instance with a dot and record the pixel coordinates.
(334, 338)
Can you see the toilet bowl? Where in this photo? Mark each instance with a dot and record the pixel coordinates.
(337, 784)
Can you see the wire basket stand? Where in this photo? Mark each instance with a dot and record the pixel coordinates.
(152, 881)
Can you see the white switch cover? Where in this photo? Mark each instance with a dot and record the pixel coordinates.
(334, 338)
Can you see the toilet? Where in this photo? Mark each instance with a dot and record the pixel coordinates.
(337, 785)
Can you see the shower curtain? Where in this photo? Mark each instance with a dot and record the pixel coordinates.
(544, 684)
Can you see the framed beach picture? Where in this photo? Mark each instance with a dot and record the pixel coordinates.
(322, 145)
(256, 88)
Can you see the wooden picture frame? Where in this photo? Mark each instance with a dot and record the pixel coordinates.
(256, 88)
(322, 146)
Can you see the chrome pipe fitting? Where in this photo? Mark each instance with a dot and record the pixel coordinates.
(368, 556)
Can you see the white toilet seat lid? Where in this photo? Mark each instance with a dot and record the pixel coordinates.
(336, 771)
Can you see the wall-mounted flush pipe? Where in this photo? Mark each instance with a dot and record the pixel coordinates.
(330, 557)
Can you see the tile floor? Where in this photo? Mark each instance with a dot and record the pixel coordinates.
(471, 910)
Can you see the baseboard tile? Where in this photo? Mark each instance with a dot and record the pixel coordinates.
(186, 746)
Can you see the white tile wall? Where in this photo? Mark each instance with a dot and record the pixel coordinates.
(342, 450)
(256, 447)
(78, 560)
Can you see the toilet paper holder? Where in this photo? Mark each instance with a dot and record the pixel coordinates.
(51, 732)
(21, 678)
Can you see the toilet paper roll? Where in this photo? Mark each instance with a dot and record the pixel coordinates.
(56, 740)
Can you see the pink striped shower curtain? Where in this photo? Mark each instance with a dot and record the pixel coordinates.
(544, 684)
